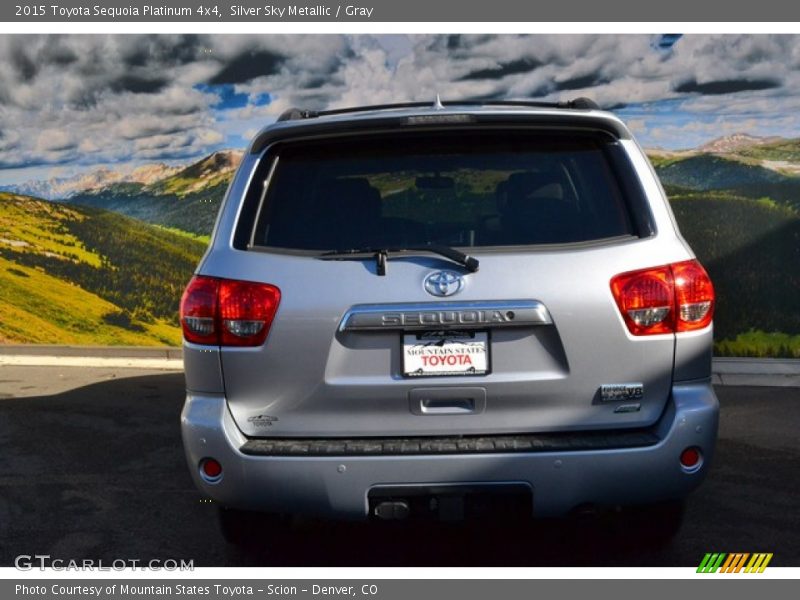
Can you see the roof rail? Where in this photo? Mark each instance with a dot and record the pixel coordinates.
(294, 114)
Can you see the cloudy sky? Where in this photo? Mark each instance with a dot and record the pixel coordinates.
(75, 102)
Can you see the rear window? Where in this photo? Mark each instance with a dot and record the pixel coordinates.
(464, 190)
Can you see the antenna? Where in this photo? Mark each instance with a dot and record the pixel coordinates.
(437, 104)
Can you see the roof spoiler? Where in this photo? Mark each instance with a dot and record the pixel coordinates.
(382, 116)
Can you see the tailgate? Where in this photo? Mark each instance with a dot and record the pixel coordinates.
(333, 364)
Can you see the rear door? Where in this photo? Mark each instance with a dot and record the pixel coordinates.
(526, 343)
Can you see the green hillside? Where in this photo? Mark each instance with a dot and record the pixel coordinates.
(711, 172)
(79, 275)
(751, 249)
(187, 200)
(738, 177)
(786, 193)
(786, 150)
(194, 212)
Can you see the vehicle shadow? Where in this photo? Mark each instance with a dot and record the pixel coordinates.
(96, 472)
(580, 540)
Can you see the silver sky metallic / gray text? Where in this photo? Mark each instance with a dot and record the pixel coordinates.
(271, 11)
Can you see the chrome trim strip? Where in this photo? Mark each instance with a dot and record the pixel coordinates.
(445, 315)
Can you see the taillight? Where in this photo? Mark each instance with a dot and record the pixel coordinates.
(646, 300)
(246, 311)
(694, 295)
(677, 297)
(228, 312)
(199, 311)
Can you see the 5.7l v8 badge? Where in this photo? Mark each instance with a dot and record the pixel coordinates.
(616, 392)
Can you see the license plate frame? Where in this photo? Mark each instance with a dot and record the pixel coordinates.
(412, 366)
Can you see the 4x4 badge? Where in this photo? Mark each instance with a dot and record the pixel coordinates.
(443, 283)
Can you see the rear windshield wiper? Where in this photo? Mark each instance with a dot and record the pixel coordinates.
(381, 255)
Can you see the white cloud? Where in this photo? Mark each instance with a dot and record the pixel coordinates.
(54, 140)
(104, 99)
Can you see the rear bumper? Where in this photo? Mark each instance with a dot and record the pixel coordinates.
(561, 479)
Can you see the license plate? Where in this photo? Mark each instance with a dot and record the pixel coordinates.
(439, 353)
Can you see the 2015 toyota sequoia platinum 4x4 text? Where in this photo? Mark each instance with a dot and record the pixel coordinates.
(442, 310)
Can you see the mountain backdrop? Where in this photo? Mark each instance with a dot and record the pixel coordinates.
(736, 199)
(82, 275)
(59, 188)
(737, 202)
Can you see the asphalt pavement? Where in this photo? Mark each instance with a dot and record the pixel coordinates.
(93, 468)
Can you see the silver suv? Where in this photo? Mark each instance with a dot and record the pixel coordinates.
(446, 311)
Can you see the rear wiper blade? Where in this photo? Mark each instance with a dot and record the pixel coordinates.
(469, 262)
(381, 254)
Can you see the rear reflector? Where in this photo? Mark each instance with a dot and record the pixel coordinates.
(691, 457)
(228, 312)
(666, 299)
(210, 469)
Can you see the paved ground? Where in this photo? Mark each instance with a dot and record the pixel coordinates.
(768, 372)
(93, 468)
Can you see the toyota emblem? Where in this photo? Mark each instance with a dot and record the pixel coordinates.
(444, 283)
